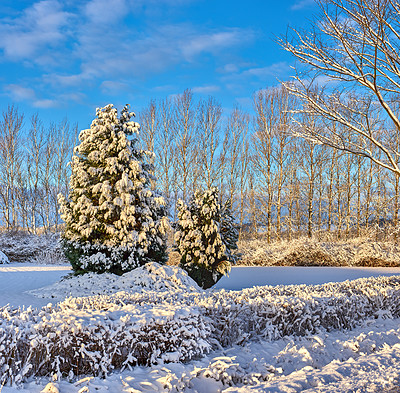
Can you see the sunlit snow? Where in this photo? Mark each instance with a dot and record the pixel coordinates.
(366, 358)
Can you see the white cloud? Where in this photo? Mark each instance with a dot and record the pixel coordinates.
(215, 42)
(271, 70)
(71, 46)
(20, 93)
(125, 55)
(113, 87)
(256, 76)
(103, 12)
(300, 4)
(46, 103)
(229, 69)
(206, 89)
(40, 26)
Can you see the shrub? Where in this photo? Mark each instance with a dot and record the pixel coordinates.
(96, 335)
(79, 339)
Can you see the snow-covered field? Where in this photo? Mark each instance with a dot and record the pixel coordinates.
(363, 359)
(248, 276)
(17, 279)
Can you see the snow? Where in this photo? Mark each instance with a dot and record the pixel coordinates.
(245, 277)
(150, 277)
(3, 258)
(364, 359)
(25, 284)
(17, 278)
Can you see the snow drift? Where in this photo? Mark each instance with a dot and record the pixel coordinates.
(150, 277)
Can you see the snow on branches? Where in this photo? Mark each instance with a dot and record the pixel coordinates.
(206, 238)
(100, 334)
(114, 220)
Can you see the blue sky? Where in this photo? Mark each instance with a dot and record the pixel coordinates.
(65, 58)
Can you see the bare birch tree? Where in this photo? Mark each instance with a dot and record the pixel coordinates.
(208, 140)
(35, 146)
(354, 45)
(10, 163)
(185, 142)
(166, 138)
(234, 162)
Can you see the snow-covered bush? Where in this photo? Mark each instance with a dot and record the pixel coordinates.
(114, 221)
(206, 238)
(273, 312)
(22, 246)
(98, 334)
(93, 339)
(3, 258)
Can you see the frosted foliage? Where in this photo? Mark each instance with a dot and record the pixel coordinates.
(200, 236)
(3, 258)
(112, 215)
(97, 335)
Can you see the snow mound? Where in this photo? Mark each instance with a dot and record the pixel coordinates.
(155, 277)
(3, 258)
(150, 277)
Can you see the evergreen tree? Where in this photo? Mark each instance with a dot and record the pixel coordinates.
(206, 238)
(114, 222)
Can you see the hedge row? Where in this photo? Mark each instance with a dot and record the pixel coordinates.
(69, 343)
(98, 334)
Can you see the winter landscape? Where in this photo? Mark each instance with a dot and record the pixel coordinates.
(244, 241)
(325, 336)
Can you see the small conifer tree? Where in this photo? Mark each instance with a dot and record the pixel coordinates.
(206, 238)
(114, 221)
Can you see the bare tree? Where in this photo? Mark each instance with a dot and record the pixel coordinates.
(185, 143)
(165, 142)
(234, 162)
(10, 162)
(271, 157)
(262, 159)
(208, 131)
(311, 161)
(354, 45)
(35, 147)
(148, 120)
(63, 140)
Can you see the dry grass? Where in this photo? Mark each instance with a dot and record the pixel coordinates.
(312, 252)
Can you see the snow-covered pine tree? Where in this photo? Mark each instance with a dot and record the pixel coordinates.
(114, 222)
(206, 238)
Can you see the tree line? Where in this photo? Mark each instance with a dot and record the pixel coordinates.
(278, 184)
(33, 170)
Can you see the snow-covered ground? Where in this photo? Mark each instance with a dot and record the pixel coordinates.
(365, 359)
(248, 276)
(17, 279)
